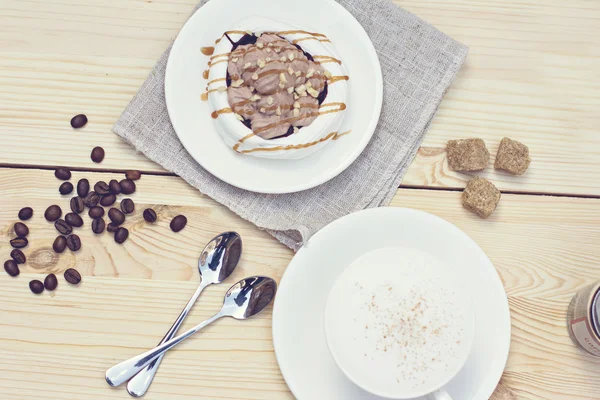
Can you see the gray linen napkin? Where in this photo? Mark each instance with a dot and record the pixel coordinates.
(418, 64)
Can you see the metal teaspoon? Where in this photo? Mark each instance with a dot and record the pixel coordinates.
(217, 261)
(243, 300)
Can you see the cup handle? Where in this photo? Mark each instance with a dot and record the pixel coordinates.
(441, 395)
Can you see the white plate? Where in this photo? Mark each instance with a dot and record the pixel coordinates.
(191, 118)
(298, 335)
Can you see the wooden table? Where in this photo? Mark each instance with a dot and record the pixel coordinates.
(532, 74)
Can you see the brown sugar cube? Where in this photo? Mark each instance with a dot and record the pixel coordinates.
(513, 157)
(467, 154)
(481, 197)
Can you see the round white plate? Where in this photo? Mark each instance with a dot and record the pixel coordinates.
(298, 315)
(191, 118)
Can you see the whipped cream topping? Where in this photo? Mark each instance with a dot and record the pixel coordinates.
(276, 91)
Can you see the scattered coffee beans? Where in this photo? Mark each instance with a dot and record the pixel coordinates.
(62, 226)
(53, 213)
(74, 220)
(98, 225)
(50, 283)
(108, 200)
(25, 213)
(112, 227)
(150, 215)
(11, 268)
(19, 243)
(18, 256)
(72, 276)
(21, 230)
(97, 154)
(178, 223)
(115, 187)
(73, 242)
(65, 188)
(83, 187)
(127, 206)
(79, 121)
(63, 174)
(127, 186)
(133, 175)
(77, 205)
(121, 235)
(36, 286)
(91, 200)
(101, 188)
(59, 245)
(116, 216)
(96, 212)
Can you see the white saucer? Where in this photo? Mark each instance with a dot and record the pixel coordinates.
(298, 335)
(195, 128)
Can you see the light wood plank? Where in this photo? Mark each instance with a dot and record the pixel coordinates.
(532, 74)
(544, 248)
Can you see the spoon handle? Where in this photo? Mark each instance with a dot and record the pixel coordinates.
(139, 384)
(125, 370)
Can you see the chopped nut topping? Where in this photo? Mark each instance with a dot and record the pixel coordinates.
(247, 65)
(255, 76)
(299, 79)
(310, 73)
(309, 84)
(281, 85)
(290, 70)
(222, 88)
(313, 92)
(282, 78)
(300, 89)
(270, 45)
(296, 112)
(268, 49)
(298, 73)
(261, 63)
(278, 111)
(283, 59)
(238, 116)
(255, 98)
(260, 45)
(263, 110)
(296, 129)
(290, 90)
(296, 104)
(327, 74)
(291, 56)
(269, 100)
(235, 59)
(296, 97)
(268, 59)
(277, 49)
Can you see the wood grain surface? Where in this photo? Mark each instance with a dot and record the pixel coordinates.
(531, 74)
(544, 249)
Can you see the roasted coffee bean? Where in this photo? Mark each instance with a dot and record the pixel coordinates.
(91, 200)
(83, 187)
(116, 216)
(50, 283)
(133, 175)
(178, 223)
(18, 256)
(108, 200)
(79, 121)
(98, 225)
(59, 245)
(53, 213)
(97, 154)
(21, 230)
(149, 215)
(11, 268)
(121, 235)
(36, 286)
(101, 188)
(127, 186)
(74, 220)
(96, 212)
(65, 188)
(77, 205)
(63, 174)
(19, 243)
(127, 206)
(112, 227)
(72, 276)
(73, 242)
(25, 213)
(115, 187)
(62, 226)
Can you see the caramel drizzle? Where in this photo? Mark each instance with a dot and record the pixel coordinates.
(334, 79)
(207, 51)
(204, 96)
(216, 114)
(223, 89)
(332, 136)
(298, 32)
(296, 41)
(219, 55)
(326, 59)
(216, 80)
(205, 73)
(210, 63)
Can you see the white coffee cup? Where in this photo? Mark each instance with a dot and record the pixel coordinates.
(399, 325)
